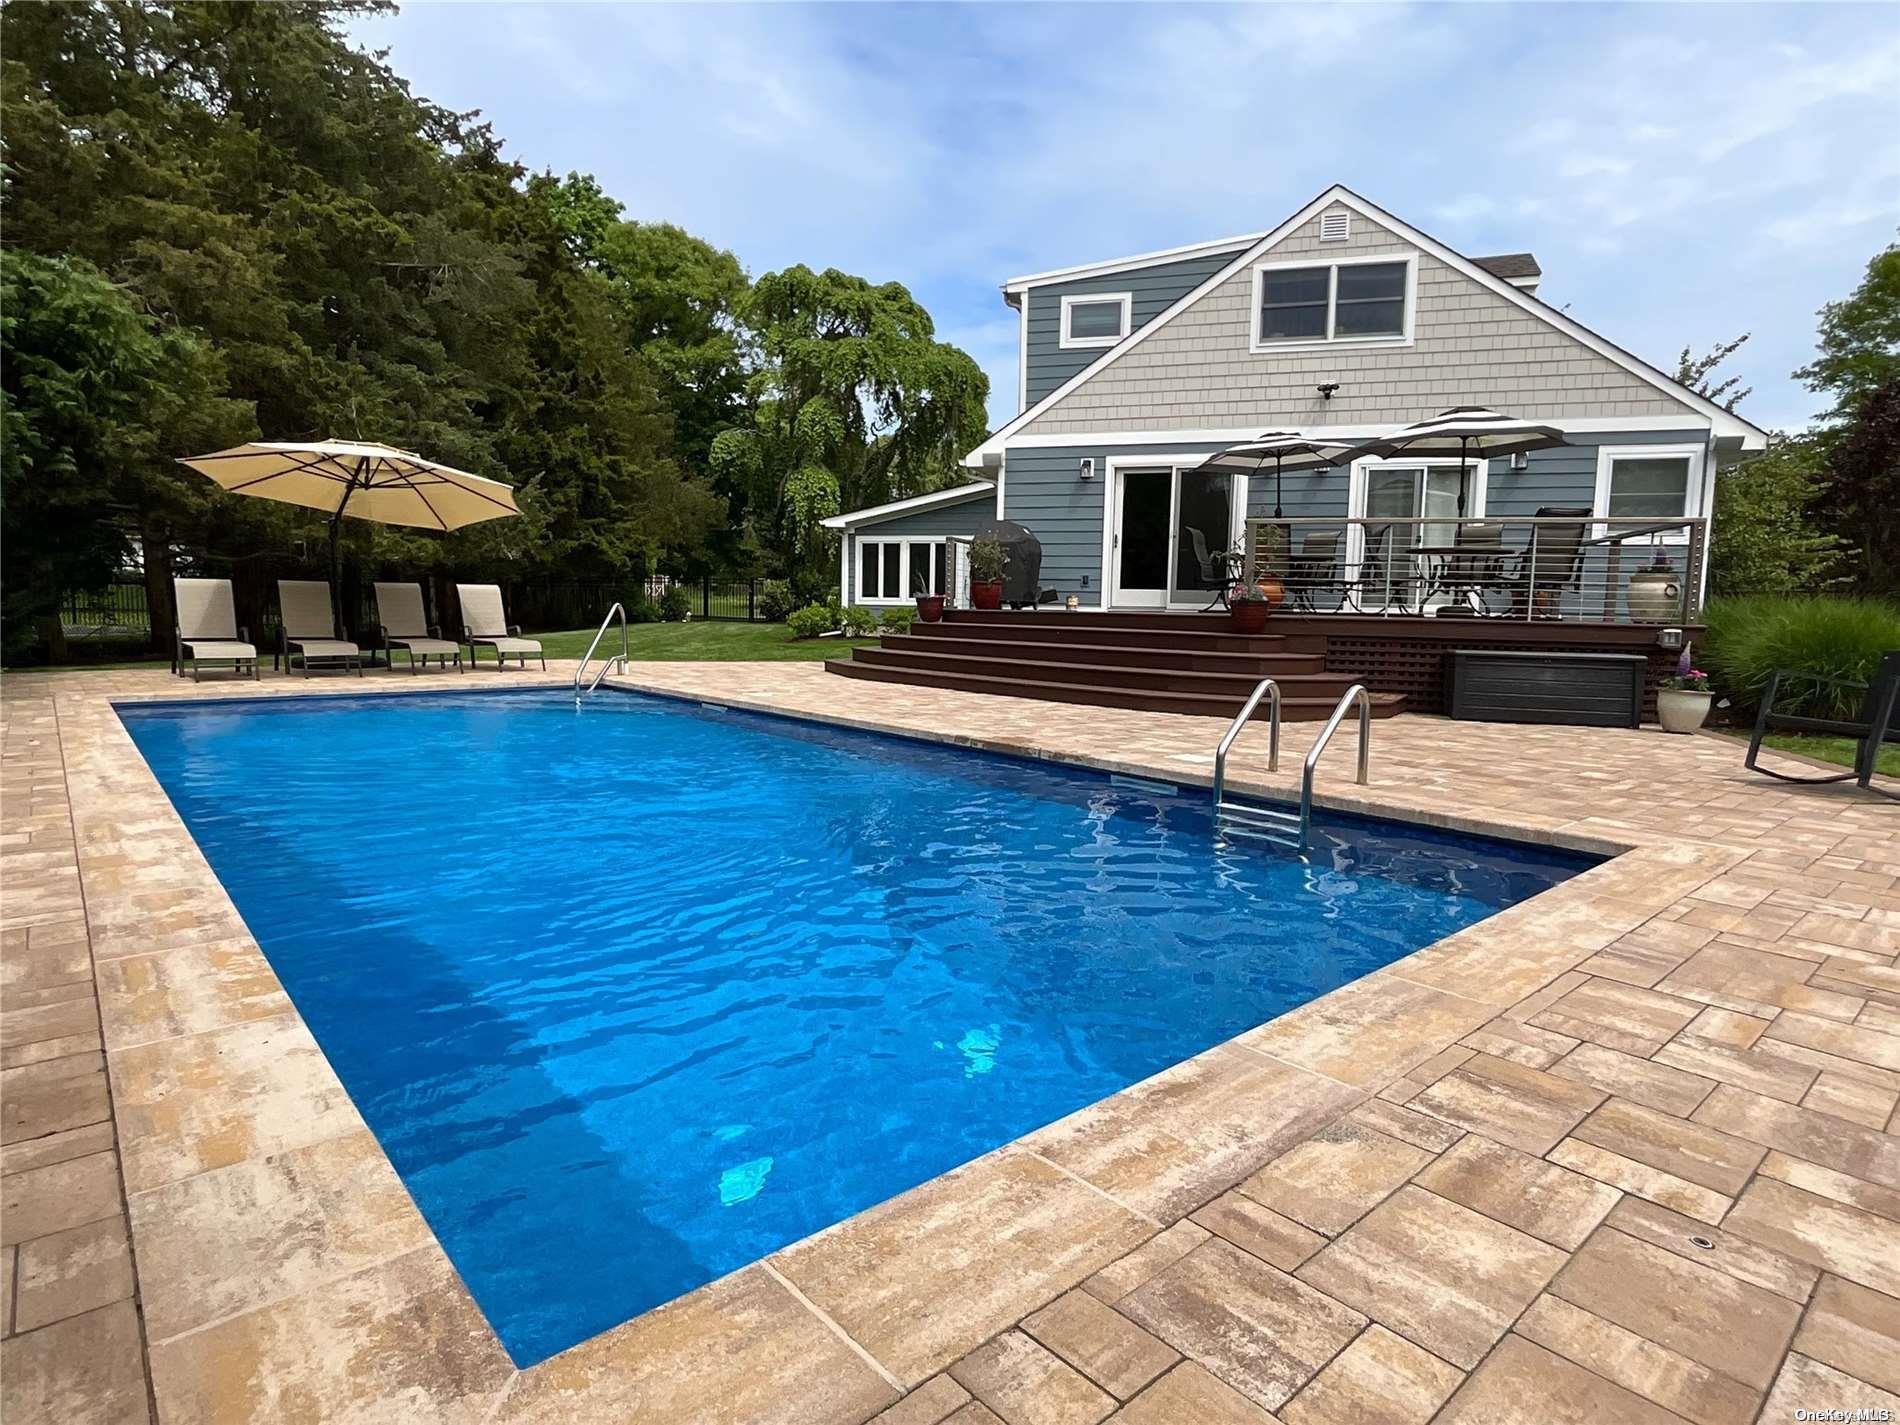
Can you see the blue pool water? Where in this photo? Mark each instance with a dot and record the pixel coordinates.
(634, 994)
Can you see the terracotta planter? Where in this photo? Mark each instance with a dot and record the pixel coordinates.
(986, 593)
(1273, 589)
(1655, 596)
(930, 607)
(1682, 709)
(1249, 615)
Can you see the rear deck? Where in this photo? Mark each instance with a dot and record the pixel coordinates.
(1195, 663)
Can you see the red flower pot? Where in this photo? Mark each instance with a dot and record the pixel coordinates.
(1249, 615)
(986, 594)
(930, 607)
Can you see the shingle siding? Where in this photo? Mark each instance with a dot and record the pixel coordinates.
(1471, 346)
(1153, 290)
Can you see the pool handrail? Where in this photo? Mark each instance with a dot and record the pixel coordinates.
(1271, 689)
(608, 665)
(1356, 693)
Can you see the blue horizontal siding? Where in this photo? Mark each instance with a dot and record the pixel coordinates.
(1042, 490)
(1153, 290)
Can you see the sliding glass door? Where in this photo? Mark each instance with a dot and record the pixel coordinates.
(1172, 526)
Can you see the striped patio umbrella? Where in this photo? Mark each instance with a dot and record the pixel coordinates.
(1287, 449)
(1468, 432)
(361, 479)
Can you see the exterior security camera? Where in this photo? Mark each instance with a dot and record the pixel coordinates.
(1326, 391)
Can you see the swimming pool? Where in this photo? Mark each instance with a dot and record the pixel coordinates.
(637, 993)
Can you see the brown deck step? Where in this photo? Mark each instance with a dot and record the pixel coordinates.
(1221, 705)
(1029, 666)
(1156, 631)
(1271, 660)
(1096, 618)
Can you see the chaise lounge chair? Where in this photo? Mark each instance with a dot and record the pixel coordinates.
(1871, 729)
(485, 625)
(308, 632)
(208, 629)
(405, 626)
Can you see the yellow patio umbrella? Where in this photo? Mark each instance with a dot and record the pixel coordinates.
(361, 479)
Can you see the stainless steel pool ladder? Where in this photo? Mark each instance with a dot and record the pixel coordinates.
(617, 663)
(1269, 823)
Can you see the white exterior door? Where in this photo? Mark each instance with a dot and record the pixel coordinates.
(1141, 545)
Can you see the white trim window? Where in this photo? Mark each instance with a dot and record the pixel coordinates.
(1638, 484)
(1096, 319)
(894, 569)
(1350, 301)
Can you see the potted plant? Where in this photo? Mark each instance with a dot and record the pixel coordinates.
(1655, 593)
(987, 558)
(1683, 701)
(929, 605)
(1248, 605)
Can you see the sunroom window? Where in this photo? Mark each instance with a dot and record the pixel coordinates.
(892, 570)
(1357, 301)
(1645, 487)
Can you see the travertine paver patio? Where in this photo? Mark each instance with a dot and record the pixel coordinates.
(1628, 1151)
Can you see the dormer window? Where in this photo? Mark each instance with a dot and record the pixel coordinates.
(1096, 320)
(1358, 301)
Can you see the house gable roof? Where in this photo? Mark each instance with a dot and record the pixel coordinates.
(1014, 286)
(1724, 423)
(851, 519)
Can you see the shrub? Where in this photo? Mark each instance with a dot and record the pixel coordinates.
(1749, 638)
(642, 611)
(860, 623)
(675, 604)
(775, 600)
(987, 560)
(812, 620)
(898, 620)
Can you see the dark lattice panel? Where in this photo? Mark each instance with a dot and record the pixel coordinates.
(1420, 669)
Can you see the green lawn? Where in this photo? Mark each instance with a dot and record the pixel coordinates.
(1838, 750)
(702, 642)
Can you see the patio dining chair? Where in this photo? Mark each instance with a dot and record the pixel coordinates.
(1550, 563)
(404, 626)
(1477, 567)
(1375, 575)
(485, 625)
(208, 630)
(307, 632)
(1871, 730)
(1315, 570)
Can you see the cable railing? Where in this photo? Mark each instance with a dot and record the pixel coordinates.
(1569, 566)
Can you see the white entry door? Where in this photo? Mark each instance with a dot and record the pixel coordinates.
(1141, 547)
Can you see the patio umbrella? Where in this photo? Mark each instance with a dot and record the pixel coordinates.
(1287, 449)
(1468, 432)
(358, 478)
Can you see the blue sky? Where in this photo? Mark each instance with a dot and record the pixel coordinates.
(1683, 173)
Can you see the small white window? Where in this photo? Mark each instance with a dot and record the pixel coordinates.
(1097, 319)
(1643, 485)
(1318, 304)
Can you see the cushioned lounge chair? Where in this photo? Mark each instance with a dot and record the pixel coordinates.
(308, 633)
(405, 626)
(485, 625)
(208, 629)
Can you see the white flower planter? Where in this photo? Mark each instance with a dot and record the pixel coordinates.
(1682, 709)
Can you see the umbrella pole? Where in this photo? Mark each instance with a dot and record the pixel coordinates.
(1276, 486)
(336, 552)
(1462, 442)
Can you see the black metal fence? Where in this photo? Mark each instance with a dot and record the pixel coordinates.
(114, 612)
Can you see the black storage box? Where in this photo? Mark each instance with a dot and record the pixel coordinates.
(1574, 689)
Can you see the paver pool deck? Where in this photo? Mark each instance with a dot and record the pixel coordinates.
(1628, 1151)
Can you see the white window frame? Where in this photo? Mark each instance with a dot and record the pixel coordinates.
(904, 542)
(1330, 342)
(1176, 466)
(1095, 343)
(1360, 483)
(1693, 486)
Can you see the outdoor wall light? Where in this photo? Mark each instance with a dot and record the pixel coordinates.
(1520, 461)
(1087, 469)
(1326, 390)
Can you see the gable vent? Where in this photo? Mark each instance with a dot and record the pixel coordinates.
(1335, 225)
